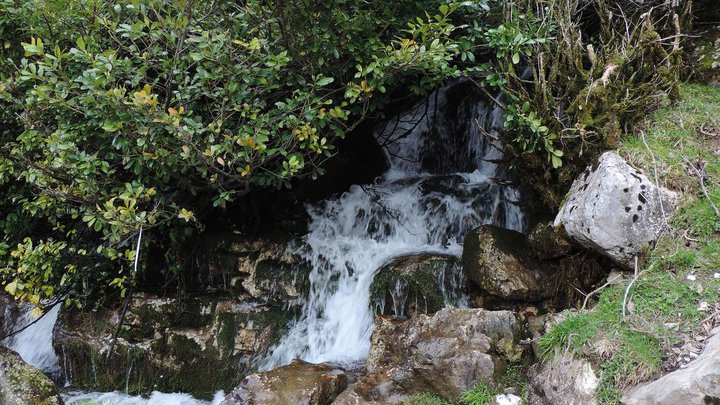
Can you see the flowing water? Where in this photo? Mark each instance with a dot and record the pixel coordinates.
(443, 181)
(34, 342)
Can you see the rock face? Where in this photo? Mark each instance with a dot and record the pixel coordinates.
(445, 354)
(198, 345)
(255, 269)
(697, 384)
(22, 384)
(417, 284)
(615, 209)
(297, 383)
(501, 263)
(564, 381)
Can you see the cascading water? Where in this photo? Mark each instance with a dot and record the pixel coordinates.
(443, 181)
(34, 342)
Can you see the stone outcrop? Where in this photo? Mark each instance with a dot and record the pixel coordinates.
(501, 263)
(255, 269)
(23, 384)
(615, 209)
(417, 284)
(446, 354)
(696, 384)
(563, 381)
(198, 345)
(298, 383)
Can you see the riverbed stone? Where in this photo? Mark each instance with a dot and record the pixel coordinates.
(417, 284)
(562, 381)
(298, 383)
(199, 345)
(501, 263)
(23, 384)
(615, 209)
(696, 384)
(446, 354)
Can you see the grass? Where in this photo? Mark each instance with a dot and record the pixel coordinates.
(481, 393)
(678, 275)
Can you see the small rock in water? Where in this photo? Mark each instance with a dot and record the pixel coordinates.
(297, 383)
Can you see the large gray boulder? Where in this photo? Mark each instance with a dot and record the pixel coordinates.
(298, 383)
(23, 384)
(615, 209)
(564, 381)
(696, 384)
(446, 354)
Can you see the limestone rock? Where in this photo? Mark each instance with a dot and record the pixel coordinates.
(696, 384)
(199, 345)
(298, 383)
(501, 263)
(262, 269)
(564, 381)
(417, 284)
(445, 354)
(23, 384)
(615, 209)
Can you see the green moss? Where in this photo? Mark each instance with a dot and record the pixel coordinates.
(420, 281)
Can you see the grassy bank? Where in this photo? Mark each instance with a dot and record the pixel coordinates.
(675, 300)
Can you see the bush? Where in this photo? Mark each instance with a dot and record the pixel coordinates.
(122, 116)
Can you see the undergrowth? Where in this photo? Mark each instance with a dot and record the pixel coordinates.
(675, 298)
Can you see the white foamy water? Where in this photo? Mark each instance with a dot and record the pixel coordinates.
(33, 344)
(443, 182)
(156, 398)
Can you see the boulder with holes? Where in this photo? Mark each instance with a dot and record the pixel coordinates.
(615, 209)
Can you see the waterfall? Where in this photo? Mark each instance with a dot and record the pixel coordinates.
(443, 181)
(34, 343)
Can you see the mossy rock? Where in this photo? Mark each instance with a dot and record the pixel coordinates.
(23, 384)
(416, 284)
(198, 346)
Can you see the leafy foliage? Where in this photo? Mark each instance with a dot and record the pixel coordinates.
(119, 116)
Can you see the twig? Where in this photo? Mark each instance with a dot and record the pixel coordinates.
(627, 290)
(597, 290)
(657, 183)
(127, 300)
(702, 185)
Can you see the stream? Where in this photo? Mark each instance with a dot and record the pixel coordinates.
(443, 180)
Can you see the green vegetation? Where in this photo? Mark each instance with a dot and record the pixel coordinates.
(678, 287)
(123, 117)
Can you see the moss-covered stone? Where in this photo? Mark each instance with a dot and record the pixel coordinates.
(22, 384)
(198, 345)
(416, 284)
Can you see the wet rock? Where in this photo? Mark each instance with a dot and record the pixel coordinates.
(615, 209)
(501, 263)
(547, 242)
(260, 269)
(297, 383)
(563, 381)
(696, 384)
(23, 384)
(198, 345)
(417, 284)
(445, 354)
